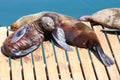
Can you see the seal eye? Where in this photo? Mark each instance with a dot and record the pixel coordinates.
(49, 22)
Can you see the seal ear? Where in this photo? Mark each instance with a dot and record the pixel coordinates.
(19, 34)
(59, 39)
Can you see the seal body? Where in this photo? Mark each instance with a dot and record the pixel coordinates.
(109, 18)
(23, 41)
(76, 34)
(33, 17)
(25, 20)
(28, 37)
(82, 36)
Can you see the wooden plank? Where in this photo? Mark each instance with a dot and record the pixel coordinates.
(28, 68)
(50, 62)
(100, 70)
(75, 65)
(62, 64)
(39, 65)
(4, 65)
(112, 69)
(86, 64)
(116, 48)
(16, 67)
(16, 70)
(99, 67)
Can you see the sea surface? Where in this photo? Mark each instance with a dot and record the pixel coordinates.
(11, 10)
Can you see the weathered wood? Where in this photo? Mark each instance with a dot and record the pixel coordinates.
(76, 71)
(99, 67)
(86, 64)
(100, 70)
(115, 48)
(112, 69)
(16, 70)
(15, 65)
(4, 65)
(39, 65)
(57, 64)
(63, 64)
(28, 67)
(50, 62)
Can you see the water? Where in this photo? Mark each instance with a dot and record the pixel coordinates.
(11, 10)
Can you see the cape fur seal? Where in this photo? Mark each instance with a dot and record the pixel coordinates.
(28, 38)
(76, 34)
(109, 18)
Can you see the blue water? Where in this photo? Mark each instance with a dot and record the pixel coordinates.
(11, 10)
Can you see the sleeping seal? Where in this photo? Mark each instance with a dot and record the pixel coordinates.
(109, 18)
(80, 35)
(76, 34)
(28, 37)
(30, 18)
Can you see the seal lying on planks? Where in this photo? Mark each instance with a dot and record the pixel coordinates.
(109, 18)
(28, 38)
(76, 33)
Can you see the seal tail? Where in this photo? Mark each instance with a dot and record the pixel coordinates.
(106, 60)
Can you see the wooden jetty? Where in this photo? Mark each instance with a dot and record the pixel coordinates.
(49, 62)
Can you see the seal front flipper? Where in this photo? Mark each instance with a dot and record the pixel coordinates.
(19, 34)
(58, 35)
(59, 39)
(21, 53)
(107, 61)
(23, 41)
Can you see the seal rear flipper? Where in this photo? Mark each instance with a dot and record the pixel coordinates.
(59, 39)
(107, 61)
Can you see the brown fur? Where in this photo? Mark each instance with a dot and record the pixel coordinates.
(33, 36)
(76, 33)
(80, 35)
(32, 17)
